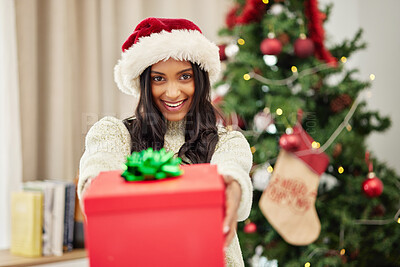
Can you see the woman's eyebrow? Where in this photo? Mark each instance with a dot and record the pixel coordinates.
(188, 69)
(157, 72)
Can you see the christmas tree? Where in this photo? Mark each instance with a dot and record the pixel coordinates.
(277, 64)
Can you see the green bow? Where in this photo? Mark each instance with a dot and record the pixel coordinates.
(151, 165)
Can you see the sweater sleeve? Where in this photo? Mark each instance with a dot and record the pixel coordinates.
(233, 157)
(106, 147)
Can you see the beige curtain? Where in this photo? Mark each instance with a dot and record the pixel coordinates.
(66, 52)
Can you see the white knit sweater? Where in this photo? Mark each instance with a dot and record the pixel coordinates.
(108, 144)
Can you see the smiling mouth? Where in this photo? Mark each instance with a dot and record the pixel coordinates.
(174, 104)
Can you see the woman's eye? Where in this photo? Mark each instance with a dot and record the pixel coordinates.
(186, 76)
(157, 78)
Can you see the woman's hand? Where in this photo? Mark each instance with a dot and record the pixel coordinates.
(233, 194)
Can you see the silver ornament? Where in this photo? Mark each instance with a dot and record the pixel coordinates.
(276, 9)
(222, 89)
(261, 177)
(270, 60)
(327, 182)
(262, 120)
(231, 50)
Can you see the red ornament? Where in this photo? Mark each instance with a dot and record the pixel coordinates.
(250, 228)
(340, 103)
(284, 38)
(372, 186)
(270, 46)
(222, 55)
(289, 142)
(303, 47)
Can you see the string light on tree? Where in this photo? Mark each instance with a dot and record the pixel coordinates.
(315, 145)
(270, 169)
(343, 59)
(241, 41)
(372, 77)
(246, 77)
(295, 75)
(340, 170)
(342, 251)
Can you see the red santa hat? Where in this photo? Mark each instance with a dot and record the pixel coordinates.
(156, 39)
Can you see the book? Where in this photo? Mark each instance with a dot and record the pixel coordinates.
(48, 197)
(26, 223)
(69, 213)
(79, 236)
(69, 217)
(58, 216)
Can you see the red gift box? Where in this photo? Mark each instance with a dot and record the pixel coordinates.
(171, 222)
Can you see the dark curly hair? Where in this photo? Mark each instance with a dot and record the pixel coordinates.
(148, 127)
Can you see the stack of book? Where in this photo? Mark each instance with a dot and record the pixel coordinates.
(42, 218)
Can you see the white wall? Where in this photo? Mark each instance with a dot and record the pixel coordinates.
(380, 21)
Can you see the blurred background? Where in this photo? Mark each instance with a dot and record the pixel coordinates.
(57, 74)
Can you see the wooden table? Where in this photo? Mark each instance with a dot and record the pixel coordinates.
(7, 259)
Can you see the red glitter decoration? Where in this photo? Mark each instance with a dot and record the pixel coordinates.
(253, 11)
(230, 19)
(317, 33)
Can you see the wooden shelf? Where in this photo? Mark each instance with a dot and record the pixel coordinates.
(7, 259)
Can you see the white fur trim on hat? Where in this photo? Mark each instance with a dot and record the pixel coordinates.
(188, 45)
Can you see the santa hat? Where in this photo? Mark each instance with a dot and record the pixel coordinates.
(156, 39)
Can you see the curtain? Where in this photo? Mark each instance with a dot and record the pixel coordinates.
(67, 50)
(10, 136)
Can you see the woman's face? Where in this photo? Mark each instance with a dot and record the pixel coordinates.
(172, 87)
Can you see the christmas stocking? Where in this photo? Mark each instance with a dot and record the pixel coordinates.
(288, 202)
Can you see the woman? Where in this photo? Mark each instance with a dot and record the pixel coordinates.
(169, 64)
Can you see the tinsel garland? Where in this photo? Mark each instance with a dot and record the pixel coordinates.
(317, 33)
(253, 11)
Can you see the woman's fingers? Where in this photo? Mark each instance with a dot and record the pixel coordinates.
(233, 195)
(231, 231)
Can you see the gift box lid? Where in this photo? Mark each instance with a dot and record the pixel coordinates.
(199, 185)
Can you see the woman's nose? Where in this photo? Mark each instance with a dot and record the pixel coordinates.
(173, 91)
